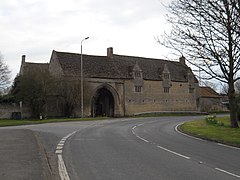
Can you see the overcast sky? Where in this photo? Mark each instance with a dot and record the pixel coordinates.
(36, 27)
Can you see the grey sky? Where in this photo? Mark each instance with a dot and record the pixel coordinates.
(36, 27)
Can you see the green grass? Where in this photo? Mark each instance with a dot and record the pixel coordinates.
(10, 122)
(214, 132)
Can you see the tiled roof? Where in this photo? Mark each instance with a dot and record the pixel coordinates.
(208, 92)
(33, 67)
(119, 66)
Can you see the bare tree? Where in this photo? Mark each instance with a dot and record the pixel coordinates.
(4, 74)
(207, 33)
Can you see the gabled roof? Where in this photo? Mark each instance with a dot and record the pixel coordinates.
(208, 92)
(33, 67)
(118, 66)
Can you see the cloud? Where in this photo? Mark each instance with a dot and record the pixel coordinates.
(36, 27)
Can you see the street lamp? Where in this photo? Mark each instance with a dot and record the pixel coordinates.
(82, 77)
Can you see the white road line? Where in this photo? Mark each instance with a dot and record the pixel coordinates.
(142, 139)
(58, 152)
(232, 147)
(176, 129)
(62, 168)
(59, 147)
(226, 172)
(165, 149)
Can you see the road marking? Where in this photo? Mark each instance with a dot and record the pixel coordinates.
(142, 139)
(62, 168)
(58, 151)
(61, 165)
(229, 173)
(176, 129)
(165, 149)
(232, 147)
(59, 147)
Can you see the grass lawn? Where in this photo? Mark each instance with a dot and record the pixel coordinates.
(10, 122)
(215, 132)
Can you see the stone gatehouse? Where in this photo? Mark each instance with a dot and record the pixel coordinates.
(119, 85)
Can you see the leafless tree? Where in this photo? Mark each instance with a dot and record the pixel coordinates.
(207, 33)
(4, 74)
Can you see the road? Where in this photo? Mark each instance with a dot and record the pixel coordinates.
(144, 148)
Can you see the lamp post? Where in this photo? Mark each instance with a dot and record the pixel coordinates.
(82, 77)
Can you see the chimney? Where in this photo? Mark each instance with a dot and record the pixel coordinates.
(182, 60)
(110, 52)
(23, 59)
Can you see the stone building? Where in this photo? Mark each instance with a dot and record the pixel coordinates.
(118, 85)
(211, 101)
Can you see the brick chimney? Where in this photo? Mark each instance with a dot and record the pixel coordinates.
(23, 59)
(110, 52)
(182, 60)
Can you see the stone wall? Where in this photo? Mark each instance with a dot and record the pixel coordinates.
(153, 99)
(6, 111)
(212, 104)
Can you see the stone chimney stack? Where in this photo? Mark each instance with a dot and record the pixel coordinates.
(182, 60)
(23, 59)
(110, 52)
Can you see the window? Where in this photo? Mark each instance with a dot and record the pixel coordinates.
(138, 88)
(166, 76)
(137, 74)
(166, 89)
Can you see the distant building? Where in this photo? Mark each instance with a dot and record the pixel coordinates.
(211, 101)
(117, 85)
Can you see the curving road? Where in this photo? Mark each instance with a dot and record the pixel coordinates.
(135, 149)
(147, 148)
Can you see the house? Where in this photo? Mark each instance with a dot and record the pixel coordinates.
(210, 100)
(119, 85)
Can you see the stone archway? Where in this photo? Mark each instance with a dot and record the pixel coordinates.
(103, 103)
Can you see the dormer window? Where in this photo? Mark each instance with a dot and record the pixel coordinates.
(166, 76)
(166, 73)
(137, 74)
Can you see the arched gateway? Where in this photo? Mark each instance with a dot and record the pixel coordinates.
(103, 103)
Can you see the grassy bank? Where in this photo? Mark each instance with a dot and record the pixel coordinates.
(9, 122)
(218, 130)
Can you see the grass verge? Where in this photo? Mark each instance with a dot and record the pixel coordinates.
(10, 122)
(213, 132)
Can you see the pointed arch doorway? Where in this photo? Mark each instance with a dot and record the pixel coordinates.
(103, 103)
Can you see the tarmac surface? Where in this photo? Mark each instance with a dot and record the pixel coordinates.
(22, 157)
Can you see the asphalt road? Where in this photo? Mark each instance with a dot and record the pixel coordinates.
(148, 148)
(145, 148)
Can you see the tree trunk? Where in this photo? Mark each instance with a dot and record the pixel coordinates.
(233, 106)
